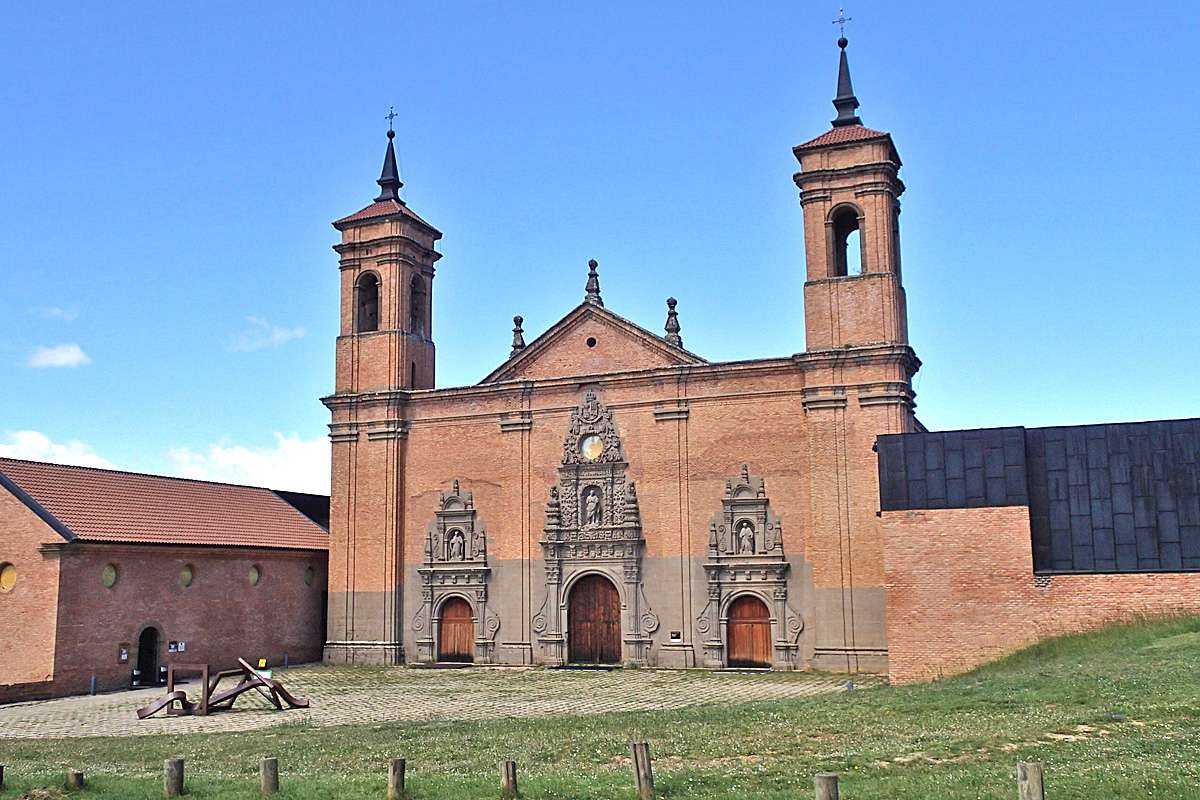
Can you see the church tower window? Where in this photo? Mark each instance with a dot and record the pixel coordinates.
(416, 306)
(366, 313)
(846, 241)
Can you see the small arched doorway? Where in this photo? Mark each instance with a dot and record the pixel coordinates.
(594, 622)
(456, 632)
(749, 633)
(147, 657)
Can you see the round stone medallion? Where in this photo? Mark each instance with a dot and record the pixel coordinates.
(591, 447)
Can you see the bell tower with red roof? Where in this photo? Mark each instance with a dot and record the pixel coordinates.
(850, 192)
(384, 353)
(387, 257)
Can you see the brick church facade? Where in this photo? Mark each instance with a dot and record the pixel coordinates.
(608, 496)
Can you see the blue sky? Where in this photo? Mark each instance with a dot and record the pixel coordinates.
(169, 176)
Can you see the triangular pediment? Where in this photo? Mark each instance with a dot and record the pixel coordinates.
(591, 340)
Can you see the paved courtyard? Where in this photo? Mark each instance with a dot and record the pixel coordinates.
(349, 695)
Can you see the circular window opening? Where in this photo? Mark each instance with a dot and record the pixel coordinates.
(255, 575)
(186, 575)
(8, 577)
(310, 575)
(591, 341)
(108, 575)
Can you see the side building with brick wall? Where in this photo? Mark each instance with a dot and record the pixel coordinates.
(103, 573)
(999, 538)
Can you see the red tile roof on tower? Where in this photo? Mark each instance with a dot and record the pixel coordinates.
(103, 505)
(842, 135)
(380, 209)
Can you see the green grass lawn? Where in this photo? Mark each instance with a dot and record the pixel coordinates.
(1111, 715)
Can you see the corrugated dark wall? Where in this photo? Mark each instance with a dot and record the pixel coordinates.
(1102, 498)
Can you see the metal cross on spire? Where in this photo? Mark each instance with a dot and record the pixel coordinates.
(391, 115)
(841, 22)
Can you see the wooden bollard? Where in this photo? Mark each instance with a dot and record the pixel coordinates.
(74, 779)
(826, 785)
(508, 780)
(1029, 781)
(396, 780)
(643, 772)
(173, 777)
(268, 775)
(1, 776)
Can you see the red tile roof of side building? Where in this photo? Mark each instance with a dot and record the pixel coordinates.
(380, 209)
(101, 505)
(843, 135)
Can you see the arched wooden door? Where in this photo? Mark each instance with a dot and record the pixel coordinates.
(594, 622)
(456, 633)
(749, 632)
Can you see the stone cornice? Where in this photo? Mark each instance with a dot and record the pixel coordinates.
(664, 412)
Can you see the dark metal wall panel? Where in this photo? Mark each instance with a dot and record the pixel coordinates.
(1102, 498)
(952, 469)
(1115, 498)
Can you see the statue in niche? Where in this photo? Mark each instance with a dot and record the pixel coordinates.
(591, 506)
(454, 546)
(745, 537)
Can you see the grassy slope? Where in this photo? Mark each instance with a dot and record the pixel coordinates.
(1112, 715)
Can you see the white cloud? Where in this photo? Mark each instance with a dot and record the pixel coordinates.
(262, 334)
(301, 465)
(35, 446)
(55, 312)
(60, 355)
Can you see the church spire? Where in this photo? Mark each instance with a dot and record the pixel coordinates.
(845, 102)
(593, 285)
(389, 179)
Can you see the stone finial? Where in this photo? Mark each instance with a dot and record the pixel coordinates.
(455, 491)
(745, 473)
(673, 336)
(593, 285)
(518, 343)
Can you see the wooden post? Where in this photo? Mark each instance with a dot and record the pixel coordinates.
(268, 775)
(643, 773)
(826, 785)
(74, 779)
(508, 780)
(1, 776)
(1029, 781)
(396, 780)
(173, 777)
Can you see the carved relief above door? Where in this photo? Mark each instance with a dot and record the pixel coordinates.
(747, 620)
(593, 529)
(454, 622)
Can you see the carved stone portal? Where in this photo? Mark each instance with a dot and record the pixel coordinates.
(593, 527)
(455, 565)
(745, 556)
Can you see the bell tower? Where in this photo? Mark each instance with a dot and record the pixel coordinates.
(387, 257)
(850, 193)
(384, 352)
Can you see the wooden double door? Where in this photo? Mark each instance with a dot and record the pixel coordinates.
(594, 622)
(748, 629)
(456, 632)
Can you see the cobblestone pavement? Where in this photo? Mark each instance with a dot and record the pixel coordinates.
(350, 695)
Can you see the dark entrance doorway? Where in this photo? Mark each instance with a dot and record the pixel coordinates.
(456, 634)
(749, 629)
(594, 622)
(147, 657)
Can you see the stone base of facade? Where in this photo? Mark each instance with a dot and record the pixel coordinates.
(364, 653)
(870, 660)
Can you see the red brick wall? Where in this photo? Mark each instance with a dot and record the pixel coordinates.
(220, 616)
(27, 613)
(961, 591)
